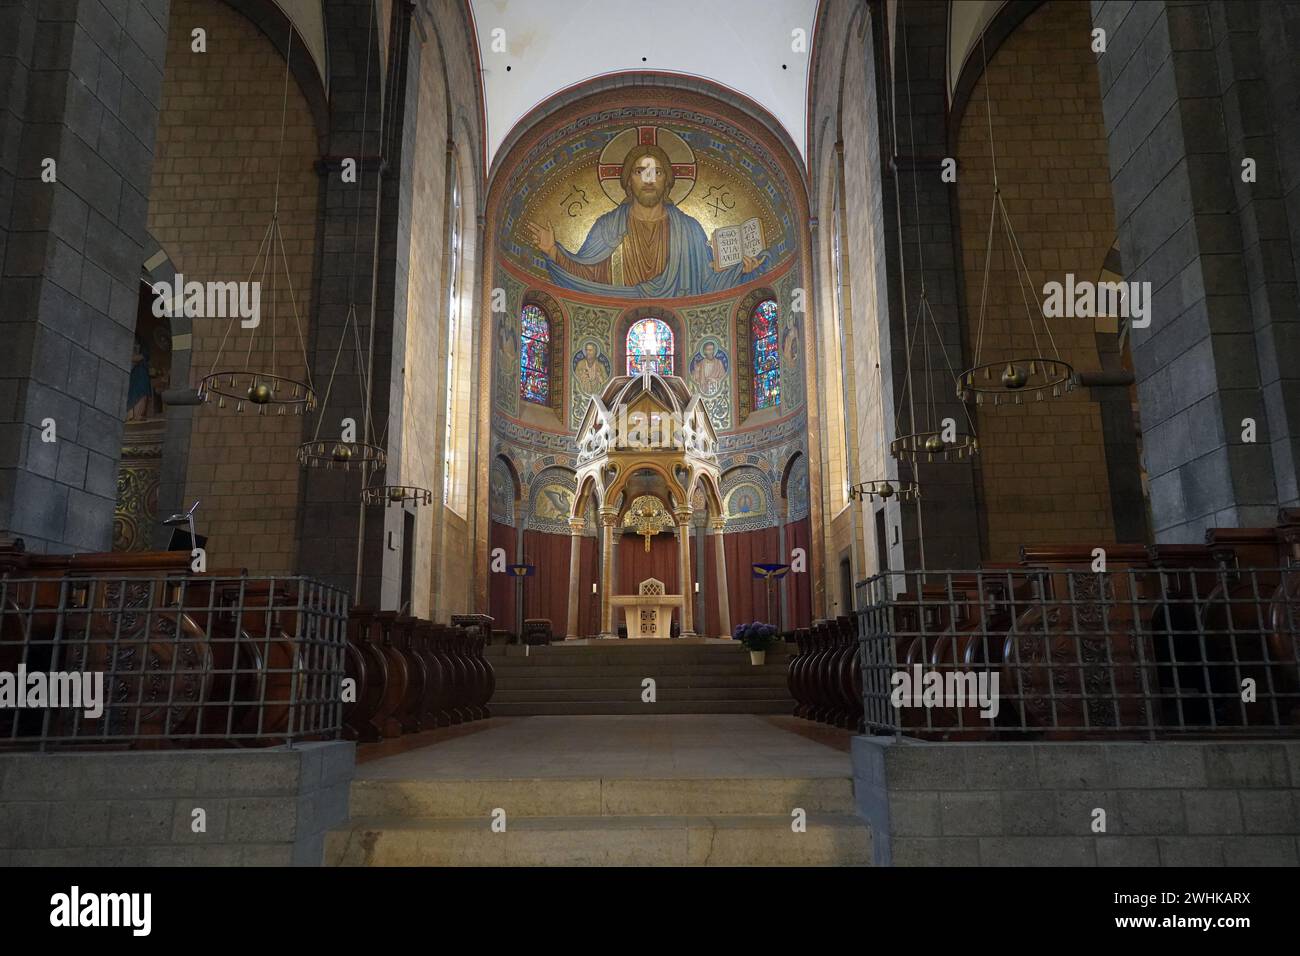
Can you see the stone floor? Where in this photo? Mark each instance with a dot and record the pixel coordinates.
(675, 746)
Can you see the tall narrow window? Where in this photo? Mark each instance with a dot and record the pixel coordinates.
(453, 326)
(534, 355)
(650, 347)
(840, 451)
(767, 354)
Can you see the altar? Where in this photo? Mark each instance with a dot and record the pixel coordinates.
(649, 613)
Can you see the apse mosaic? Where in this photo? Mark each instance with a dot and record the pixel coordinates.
(651, 208)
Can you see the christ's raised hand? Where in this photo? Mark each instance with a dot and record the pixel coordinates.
(542, 236)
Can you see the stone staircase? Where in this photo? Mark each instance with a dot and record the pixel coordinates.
(602, 822)
(607, 678)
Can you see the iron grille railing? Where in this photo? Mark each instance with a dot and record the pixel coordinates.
(1073, 653)
(182, 660)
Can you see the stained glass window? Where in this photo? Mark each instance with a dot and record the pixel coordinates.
(650, 346)
(767, 355)
(534, 356)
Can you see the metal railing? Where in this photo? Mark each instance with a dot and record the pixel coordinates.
(1054, 652)
(180, 661)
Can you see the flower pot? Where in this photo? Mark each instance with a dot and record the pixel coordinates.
(757, 657)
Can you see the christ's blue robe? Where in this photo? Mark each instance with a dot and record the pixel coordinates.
(687, 271)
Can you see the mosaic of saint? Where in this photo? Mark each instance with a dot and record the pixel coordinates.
(709, 368)
(590, 369)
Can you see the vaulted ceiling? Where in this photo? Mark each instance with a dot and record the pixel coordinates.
(551, 45)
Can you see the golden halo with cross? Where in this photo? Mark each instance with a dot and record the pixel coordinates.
(609, 171)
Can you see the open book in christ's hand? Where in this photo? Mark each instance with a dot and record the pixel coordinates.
(732, 243)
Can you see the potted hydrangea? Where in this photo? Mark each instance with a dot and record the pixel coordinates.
(757, 637)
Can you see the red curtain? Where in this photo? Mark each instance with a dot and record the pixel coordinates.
(798, 585)
(709, 587)
(748, 594)
(635, 565)
(546, 591)
(589, 572)
(501, 589)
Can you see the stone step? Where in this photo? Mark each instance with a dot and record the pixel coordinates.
(689, 651)
(632, 692)
(569, 708)
(767, 840)
(635, 657)
(668, 665)
(608, 796)
(633, 676)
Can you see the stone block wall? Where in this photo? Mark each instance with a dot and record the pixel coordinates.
(82, 84)
(1190, 91)
(1033, 804)
(264, 807)
(211, 200)
(1043, 464)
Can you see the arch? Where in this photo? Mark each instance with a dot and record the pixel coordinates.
(312, 77)
(529, 143)
(705, 482)
(634, 315)
(736, 479)
(827, 56)
(794, 488)
(786, 472)
(589, 491)
(504, 491)
(1004, 21)
(516, 483)
(629, 80)
(630, 468)
(558, 357)
(551, 496)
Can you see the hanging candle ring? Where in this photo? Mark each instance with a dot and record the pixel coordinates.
(330, 454)
(260, 390)
(927, 446)
(886, 488)
(396, 495)
(1008, 380)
